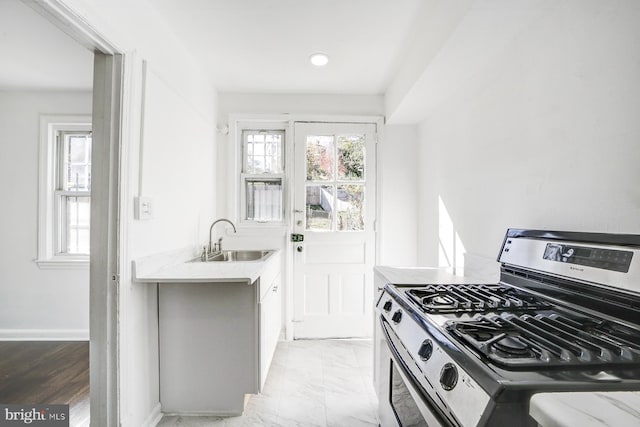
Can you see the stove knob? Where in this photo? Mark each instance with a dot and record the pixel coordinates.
(387, 306)
(425, 350)
(397, 316)
(448, 376)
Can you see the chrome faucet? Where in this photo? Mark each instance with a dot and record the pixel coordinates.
(216, 247)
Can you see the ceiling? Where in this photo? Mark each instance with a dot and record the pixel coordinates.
(263, 46)
(36, 55)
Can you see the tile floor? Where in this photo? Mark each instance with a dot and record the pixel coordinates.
(312, 383)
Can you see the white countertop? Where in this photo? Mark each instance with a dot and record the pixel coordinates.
(175, 267)
(422, 275)
(586, 409)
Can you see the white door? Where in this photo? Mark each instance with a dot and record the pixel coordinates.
(334, 209)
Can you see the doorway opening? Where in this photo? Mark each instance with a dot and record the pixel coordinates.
(71, 294)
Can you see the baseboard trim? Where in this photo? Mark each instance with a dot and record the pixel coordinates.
(154, 417)
(44, 335)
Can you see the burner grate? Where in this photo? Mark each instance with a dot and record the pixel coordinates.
(473, 298)
(549, 339)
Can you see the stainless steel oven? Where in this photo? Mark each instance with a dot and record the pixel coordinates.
(563, 317)
(403, 401)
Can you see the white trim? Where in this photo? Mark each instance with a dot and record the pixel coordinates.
(50, 125)
(73, 24)
(378, 234)
(58, 263)
(153, 418)
(235, 198)
(44, 335)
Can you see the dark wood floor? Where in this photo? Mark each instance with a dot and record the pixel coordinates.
(46, 373)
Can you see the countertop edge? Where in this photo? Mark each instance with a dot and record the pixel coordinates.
(566, 409)
(173, 267)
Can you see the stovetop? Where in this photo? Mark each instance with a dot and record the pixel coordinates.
(552, 346)
(516, 329)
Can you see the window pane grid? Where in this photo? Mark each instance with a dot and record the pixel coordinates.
(263, 199)
(335, 182)
(77, 230)
(263, 152)
(76, 167)
(261, 177)
(73, 194)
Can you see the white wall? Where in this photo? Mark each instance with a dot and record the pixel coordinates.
(398, 163)
(178, 159)
(545, 134)
(34, 303)
(175, 169)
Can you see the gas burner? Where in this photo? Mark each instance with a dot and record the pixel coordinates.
(439, 300)
(473, 298)
(512, 347)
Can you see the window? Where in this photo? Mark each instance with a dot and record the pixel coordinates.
(262, 176)
(64, 191)
(335, 182)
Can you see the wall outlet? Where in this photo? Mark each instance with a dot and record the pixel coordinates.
(142, 208)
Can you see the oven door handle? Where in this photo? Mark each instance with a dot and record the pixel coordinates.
(425, 404)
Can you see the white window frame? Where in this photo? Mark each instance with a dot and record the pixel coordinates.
(236, 138)
(50, 126)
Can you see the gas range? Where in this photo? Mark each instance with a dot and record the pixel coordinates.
(564, 317)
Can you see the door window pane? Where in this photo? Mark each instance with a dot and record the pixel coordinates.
(320, 157)
(319, 207)
(350, 207)
(351, 157)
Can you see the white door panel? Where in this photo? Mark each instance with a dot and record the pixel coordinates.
(334, 208)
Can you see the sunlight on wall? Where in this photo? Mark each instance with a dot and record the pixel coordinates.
(450, 247)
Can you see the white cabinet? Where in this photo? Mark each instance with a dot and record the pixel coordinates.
(270, 326)
(217, 341)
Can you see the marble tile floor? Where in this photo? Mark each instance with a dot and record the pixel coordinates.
(312, 383)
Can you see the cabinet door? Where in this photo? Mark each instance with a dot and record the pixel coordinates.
(270, 326)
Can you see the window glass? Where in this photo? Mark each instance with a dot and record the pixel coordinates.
(76, 154)
(263, 199)
(320, 157)
(351, 157)
(320, 207)
(263, 152)
(350, 207)
(77, 230)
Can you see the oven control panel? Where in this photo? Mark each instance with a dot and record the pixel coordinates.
(449, 386)
(606, 265)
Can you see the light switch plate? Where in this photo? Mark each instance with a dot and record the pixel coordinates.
(142, 208)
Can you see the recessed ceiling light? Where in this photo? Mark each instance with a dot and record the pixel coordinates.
(319, 59)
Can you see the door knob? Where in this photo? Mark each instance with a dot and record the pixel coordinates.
(299, 248)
